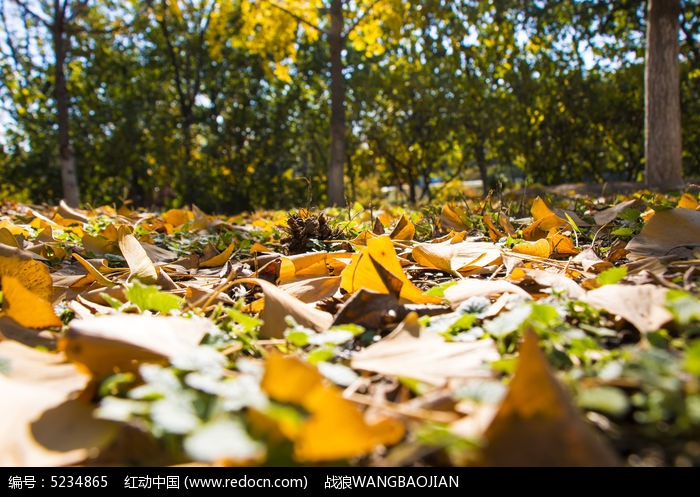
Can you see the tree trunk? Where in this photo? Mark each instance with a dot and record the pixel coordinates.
(66, 155)
(336, 188)
(663, 143)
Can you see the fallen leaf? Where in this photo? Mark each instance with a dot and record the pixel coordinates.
(404, 229)
(640, 305)
(540, 248)
(219, 259)
(140, 266)
(466, 288)
(362, 273)
(454, 218)
(25, 306)
(462, 256)
(34, 275)
(537, 424)
(278, 305)
(425, 356)
(670, 232)
(46, 423)
(336, 428)
(688, 201)
(121, 342)
(610, 214)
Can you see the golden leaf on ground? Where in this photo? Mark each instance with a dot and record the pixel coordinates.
(454, 218)
(278, 305)
(404, 229)
(361, 272)
(43, 422)
(312, 264)
(336, 428)
(641, 305)
(688, 201)
(25, 306)
(33, 274)
(537, 424)
(425, 356)
(121, 342)
(220, 259)
(93, 273)
(670, 232)
(540, 248)
(7, 238)
(177, 217)
(140, 266)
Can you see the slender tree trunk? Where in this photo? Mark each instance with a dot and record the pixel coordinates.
(480, 154)
(336, 188)
(663, 143)
(66, 155)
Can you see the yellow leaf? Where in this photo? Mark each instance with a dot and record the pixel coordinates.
(687, 201)
(26, 307)
(540, 248)
(404, 229)
(336, 428)
(361, 272)
(33, 274)
(258, 247)
(453, 218)
(561, 245)
(93, 272)
(13, 228)
(220, 259)
(177, 217)
(7, 238)
(537, 424)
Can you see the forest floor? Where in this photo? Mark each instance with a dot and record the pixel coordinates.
(545, 327)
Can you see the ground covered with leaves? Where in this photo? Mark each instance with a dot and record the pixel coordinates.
(506, 331)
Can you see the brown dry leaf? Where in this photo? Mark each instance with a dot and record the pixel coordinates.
(278, 305)
(312, 289)
(410, 352)
(362, 273)
(44, 422)
(121, 342)
(336, 428)
(33, 275)
(404, 230)
(463, 257)
(607, 215)
(590, 261)
(670, 232)
(537, 424)
(32, 338)
(140, 266)
(641, 305)
(25, 306)
(368, 309)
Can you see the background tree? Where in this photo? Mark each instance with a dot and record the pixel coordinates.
(663, 141)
